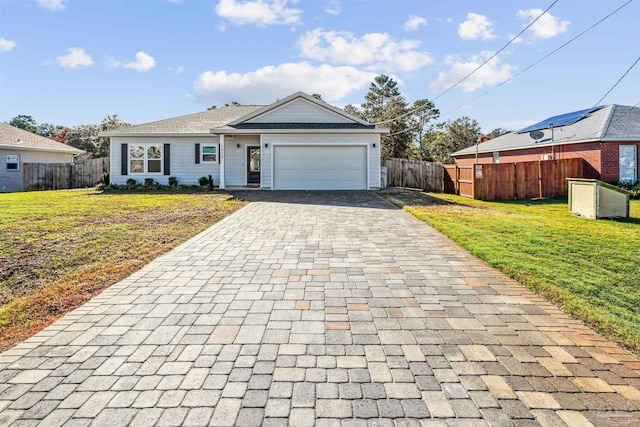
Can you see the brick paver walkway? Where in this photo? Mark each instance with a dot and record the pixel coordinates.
(336, 309)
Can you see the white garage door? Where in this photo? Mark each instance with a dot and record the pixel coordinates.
(320, 167)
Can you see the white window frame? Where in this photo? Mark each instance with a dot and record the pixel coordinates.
(17, 163)
(635, 170)
(496, 157)
(145, 159)
(202, 148)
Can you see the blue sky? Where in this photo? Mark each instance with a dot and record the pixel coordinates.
(76, 61)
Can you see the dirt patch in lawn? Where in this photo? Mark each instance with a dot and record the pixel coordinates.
(60, 248)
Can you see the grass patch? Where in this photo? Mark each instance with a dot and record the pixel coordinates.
(60, 248)
(590, 268)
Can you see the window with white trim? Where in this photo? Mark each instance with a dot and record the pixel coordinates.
(628, 163)
(209, 153)
(496, 157)
(145, 158)
(13, 162)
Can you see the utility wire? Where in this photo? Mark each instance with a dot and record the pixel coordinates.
(477, 68)
(618, 82)
(543, 58)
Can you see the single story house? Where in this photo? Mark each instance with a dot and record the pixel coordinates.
(606, 137)
(18, 146)
(296, 143)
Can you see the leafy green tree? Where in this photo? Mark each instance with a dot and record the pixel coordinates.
(497, 132)
(25, 122)
(449, 137)
(110, 122)
(85, 137)
(49, 130)
(386, 106)
(353, 110)
(424, 112)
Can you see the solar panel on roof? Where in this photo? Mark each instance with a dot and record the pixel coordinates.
(561, 120)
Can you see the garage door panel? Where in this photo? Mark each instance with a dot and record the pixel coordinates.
(320, 167)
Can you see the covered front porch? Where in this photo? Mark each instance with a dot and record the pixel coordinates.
(241, 161)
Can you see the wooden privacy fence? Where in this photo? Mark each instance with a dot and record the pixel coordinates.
(510, 181)
(414, 174)
(61, 176)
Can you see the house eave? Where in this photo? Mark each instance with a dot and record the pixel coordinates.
(153, 134)
(381, 131)
(528, 147)
(48, 150)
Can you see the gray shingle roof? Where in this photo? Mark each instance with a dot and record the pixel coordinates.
(14, 137)
(610, 122)
(191, 123)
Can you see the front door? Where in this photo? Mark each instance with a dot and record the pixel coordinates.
(253, 165)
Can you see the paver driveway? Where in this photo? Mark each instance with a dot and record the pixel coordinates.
(326, 308)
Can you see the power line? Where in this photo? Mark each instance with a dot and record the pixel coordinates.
(618, 82)
(543, 58)
(477, 68)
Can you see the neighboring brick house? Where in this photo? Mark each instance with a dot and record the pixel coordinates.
(607, 138)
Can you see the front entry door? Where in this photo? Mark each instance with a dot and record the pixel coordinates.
(253, 165)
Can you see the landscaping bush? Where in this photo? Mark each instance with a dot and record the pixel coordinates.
(633, 188)
(203, 181)
(173, 181)
(148, 182)
(131, 183)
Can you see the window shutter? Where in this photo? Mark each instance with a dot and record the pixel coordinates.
(197, 153)
(124, 159)
(167, 159)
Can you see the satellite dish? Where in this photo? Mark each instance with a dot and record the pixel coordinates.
(536, 134)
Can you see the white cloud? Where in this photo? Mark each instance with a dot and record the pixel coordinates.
(375, 51)
(180, 70)
(414, 22)
(144, 62)
(269, 83)
(175, 1)
(334, 7)
(258, 12)
(6, 45)
(476, 27)
(52, 4)
(546, 27)
(491, 73)
(77, 57)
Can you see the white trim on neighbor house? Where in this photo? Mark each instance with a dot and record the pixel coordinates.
(49, 150)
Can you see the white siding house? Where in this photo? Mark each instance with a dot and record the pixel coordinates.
(297, 143)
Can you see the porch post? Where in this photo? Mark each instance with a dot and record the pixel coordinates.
(221, 161)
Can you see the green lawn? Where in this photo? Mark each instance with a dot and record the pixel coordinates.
(59, 248)
(590, 268)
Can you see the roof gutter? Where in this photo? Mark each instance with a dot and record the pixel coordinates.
(527, 147)
(51, 150)
(297, 131)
